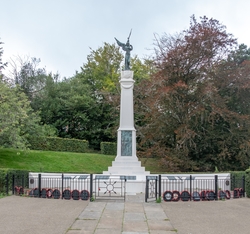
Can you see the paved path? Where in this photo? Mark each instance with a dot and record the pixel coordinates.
(130, 217)
(22, 215)
(210, 217)
(25, 215)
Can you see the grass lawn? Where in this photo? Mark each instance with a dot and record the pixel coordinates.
(50, 161)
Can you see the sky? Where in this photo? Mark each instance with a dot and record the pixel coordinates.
(61, 32)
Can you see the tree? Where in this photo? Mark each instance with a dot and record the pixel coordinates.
(18, 122)
(2, 65)
(71, 107)
(189, 122)
(240, 55)
(25, 72)
(102, 73)
(102, 70)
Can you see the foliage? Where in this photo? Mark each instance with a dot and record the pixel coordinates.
(2, 181)
(58, 144)
(236, 179)
(108, 148)
(240, 55)
(8, 173)
(2, 65)
(237, 174)
(75, 106)
(17, 119)
(71, 108)
(101, 73)
(196, 118)
(158, 200)
(102, 70)
(85, 106)
(26, 74)
(247, 186)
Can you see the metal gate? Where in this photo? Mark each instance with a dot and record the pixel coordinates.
(107, 187)
(152, 190)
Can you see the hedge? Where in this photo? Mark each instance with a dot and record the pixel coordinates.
(3, 173)
(108, 148)
(19, 175)
(247, 181)
(59, 144)
(236, 179)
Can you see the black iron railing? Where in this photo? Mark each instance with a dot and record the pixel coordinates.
(64, 186)
(196, 188)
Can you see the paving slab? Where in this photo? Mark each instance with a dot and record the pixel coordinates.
(137, 198)
(108, 231)
(90, 215)
(135, 226)
(156, 215)
(162, 225)
(110, 223)
(87, 225)
(209, 217)
(162, 232)
(134, 207)
(134, 232)
(111, 214)
(25, 215)
(76, 232)
(114, 206)
(134, 216)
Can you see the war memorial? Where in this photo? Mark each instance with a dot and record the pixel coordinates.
(126, 176)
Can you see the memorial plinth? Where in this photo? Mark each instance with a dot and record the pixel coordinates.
(126, 161)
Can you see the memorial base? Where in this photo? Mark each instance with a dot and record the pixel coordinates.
(126, 165)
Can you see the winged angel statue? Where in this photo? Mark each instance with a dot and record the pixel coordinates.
(126, 47)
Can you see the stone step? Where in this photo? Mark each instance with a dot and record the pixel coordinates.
(124, 170)
(128, 164)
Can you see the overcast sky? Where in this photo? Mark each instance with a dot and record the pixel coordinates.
(60, 32)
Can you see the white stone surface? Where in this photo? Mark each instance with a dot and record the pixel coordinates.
(126, 165)
(133, 186)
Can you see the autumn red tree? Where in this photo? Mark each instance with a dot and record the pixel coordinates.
(191, 118)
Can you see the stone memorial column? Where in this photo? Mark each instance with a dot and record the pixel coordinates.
(126, 161)
(126, 143)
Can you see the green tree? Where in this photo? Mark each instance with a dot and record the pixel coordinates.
(240, 55)
(2, 65)
(102, 70)
(102, 73)
(26, 73)
(71, 107)
(18, 122)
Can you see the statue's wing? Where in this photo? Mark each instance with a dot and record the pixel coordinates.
(120, 43)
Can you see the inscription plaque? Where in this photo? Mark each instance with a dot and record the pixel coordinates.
(126, 143)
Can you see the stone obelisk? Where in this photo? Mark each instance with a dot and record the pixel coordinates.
(126, 161)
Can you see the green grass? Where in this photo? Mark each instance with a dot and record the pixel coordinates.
(2, 195)
(50, 161)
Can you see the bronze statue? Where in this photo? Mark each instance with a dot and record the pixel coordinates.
(126, 47)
